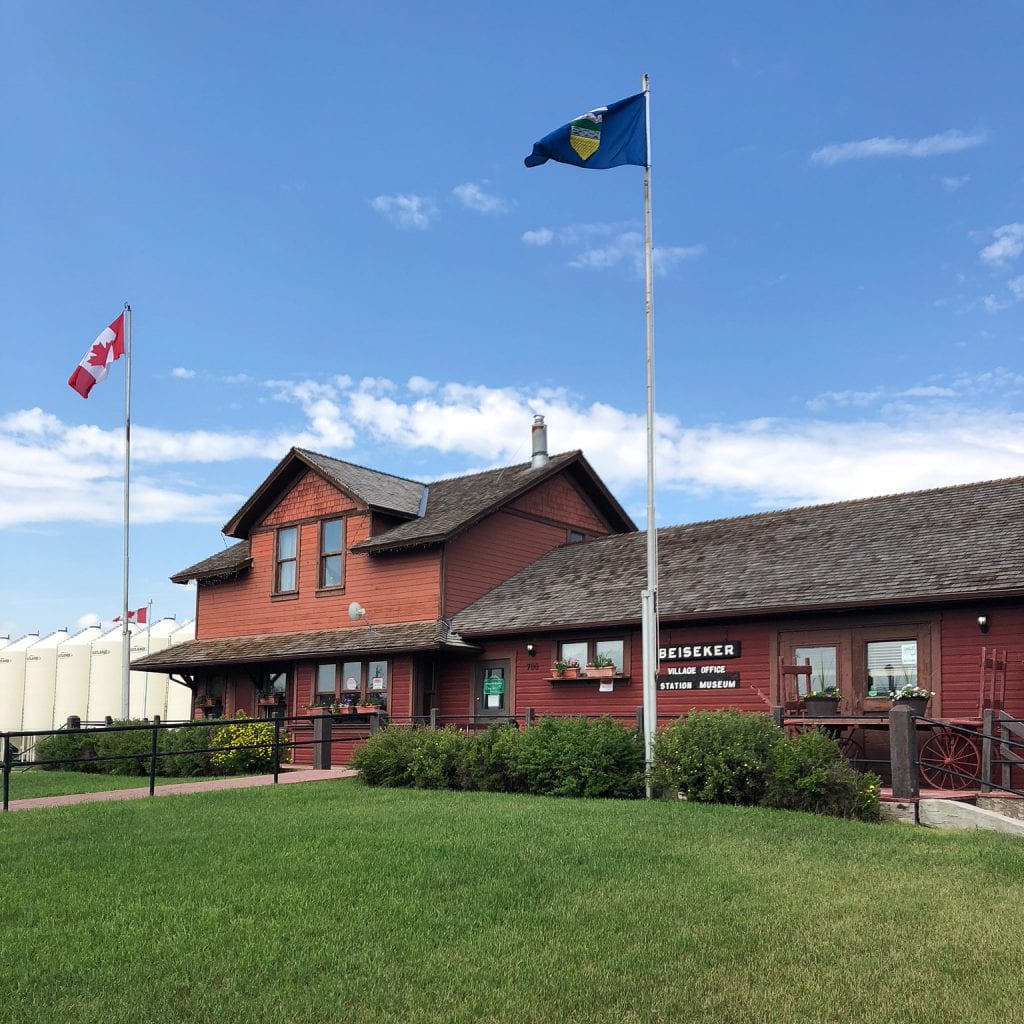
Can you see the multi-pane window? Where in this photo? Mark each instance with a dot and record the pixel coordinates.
(823, 669)
(286, 568)
(354, 678)
(332, 545)
(891, 665)
(584, 650)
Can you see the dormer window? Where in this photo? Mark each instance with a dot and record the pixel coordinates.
(332, 553)
(286, 574)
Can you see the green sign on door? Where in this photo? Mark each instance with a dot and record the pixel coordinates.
(494, 686)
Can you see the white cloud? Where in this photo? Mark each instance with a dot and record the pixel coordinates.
(183, 374)
(406, 211)
(993, 305)
(629, 247)
(952, 141)
(890, 439)
(88, 619)
(953, 184)
(473, 197)
(1008, 245)
(541, 236)
(1016, 286)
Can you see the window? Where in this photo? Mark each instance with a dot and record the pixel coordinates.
(824, 670)
(286, 569)
(891, 665)
(332, 546)
(584, 650)
(575, 537)
(336, 679)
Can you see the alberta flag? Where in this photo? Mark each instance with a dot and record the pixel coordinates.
(605, 137)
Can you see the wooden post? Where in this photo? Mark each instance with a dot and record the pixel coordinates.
(640, 720)
(987, 725)
(74, 723)
(322, 728)
(778, 715)
(374, 724)
(903, 753)
(531, 716)
(435, 718)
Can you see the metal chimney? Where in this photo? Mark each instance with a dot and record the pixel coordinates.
(540, 443)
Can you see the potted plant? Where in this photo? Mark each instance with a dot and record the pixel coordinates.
(601, 666)
(270, 698)
(347, 705)
(370, 703)
(207, 700)
(822, 703)
(320, 706)
(566, 668)
(914, 697)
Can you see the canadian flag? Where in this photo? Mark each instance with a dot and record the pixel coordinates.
(139, 615)
(96, 362)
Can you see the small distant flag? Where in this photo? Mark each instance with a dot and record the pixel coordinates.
(604, 137)
(96, 362)
(139, 616)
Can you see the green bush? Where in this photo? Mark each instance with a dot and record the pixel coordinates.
(386, 759)
(808, 773)
(243, 746)
(486, 761)
(50, 751)
(573, 757)
(182, 751)
(438, 758)
(716, 756)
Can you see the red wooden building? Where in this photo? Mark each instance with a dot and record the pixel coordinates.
(473, 587)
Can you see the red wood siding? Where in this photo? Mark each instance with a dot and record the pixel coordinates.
(962, 642)
(495, 549)
(559, 499)
(310, 496)
(392, 588)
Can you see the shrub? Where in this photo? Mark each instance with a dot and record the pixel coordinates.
(245, 746)
(386, 759)
(188, 745)
(78, 745)
(486, 759)
(438, 758)
(808, 773)
(573, 757)
(716, 756)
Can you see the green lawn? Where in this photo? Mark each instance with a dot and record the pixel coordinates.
(35, 782)
(334, 902)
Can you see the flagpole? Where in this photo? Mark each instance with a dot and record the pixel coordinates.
(125, 633)
(649, 597)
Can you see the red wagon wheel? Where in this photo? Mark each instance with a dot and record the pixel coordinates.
(950, 761)
(853, 750)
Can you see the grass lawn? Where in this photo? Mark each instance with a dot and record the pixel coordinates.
(35, 782)
(335, 902)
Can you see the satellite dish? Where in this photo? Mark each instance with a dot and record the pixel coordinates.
(356, 611)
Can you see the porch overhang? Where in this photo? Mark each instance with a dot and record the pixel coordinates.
(397, 638)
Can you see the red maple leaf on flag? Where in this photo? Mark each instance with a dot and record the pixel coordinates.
(99, 353)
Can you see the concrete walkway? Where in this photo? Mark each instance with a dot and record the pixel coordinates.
(206, 786)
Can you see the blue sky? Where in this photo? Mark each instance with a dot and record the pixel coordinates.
(320, 215)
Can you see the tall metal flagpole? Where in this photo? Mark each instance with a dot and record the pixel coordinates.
(125, 633)
(649, 597)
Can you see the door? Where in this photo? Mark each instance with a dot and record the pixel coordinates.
(828, 652)
(491, 696)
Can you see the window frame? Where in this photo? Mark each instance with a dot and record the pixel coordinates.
(364, 690)
(592, 643)
(324, 555)
(279, 562)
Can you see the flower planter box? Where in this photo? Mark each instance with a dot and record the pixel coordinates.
(821, 707)
(916, 704)
(601, 672)
(272, 701)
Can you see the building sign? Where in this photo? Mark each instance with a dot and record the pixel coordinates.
(494, 686)
(700, 652)
(699, 677)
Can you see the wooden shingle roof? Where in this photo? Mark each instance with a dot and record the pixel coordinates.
(457, 503)
(936, 545)
(221, 566)
(396, 638)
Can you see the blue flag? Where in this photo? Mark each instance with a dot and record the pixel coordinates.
(606, 137)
